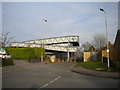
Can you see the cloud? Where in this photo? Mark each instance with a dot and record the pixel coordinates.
(64, 22)
(24, 20)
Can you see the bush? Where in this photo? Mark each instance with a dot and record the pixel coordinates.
(7, 62)
(25, 53)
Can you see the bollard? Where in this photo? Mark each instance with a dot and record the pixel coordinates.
(62, 60)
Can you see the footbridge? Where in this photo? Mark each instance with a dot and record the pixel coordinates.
(63, 44)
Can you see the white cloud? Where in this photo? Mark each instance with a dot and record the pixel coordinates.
(64, 22)
(83, 19)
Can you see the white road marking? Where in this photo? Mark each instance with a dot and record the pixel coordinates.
(55, 78)
(45, 85)
(72, 66)
(68, 69)
(50, 82)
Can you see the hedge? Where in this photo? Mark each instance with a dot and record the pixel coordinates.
(27, 53)
(7, 62)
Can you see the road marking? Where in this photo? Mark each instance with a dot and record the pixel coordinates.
(55, 78)
(72, 66)
(50, 82)
(68, 69)
(45, 85)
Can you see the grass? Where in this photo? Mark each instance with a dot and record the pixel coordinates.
(95, 65)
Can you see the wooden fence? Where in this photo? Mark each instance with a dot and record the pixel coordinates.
(90, 56)
(114, 55)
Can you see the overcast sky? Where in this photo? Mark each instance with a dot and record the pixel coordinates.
(24, 20)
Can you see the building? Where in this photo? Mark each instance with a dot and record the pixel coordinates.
(58, 46)
(115, 50)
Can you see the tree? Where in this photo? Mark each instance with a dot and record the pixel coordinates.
(5, 39)
(78, 55)
(85, 46)
(110, 45)
(91, 48)
(99, 41)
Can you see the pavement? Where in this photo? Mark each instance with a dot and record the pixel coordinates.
(83, 70)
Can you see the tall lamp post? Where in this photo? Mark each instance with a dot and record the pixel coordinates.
(42, 44)
(108, 61)
(68, 54)
(42, 49)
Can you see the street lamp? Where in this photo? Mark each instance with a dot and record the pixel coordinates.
(68, 54)
(108, 61)
(42, 44)
(42, 49)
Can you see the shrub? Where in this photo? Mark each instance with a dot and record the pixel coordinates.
(7, 62)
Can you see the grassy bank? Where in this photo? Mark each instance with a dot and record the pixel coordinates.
(96, 65)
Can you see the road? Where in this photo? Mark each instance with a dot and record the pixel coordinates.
(52, 75)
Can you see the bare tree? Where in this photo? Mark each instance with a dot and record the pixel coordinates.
(78, 55)
(5, 39)
(85, 46)
(99, 41)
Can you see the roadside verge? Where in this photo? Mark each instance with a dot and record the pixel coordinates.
(83, 70)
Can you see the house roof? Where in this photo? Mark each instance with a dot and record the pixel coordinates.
(117, 39)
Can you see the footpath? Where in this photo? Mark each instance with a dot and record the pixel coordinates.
(83, 70)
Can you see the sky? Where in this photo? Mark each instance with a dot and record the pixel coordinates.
(24, 20)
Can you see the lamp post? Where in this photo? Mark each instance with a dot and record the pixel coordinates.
(68, 54)
(42, 44)
(108, 61)
(42, 49)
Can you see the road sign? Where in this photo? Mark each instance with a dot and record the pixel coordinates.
(2, 50)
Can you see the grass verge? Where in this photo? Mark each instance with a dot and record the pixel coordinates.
(96, 65)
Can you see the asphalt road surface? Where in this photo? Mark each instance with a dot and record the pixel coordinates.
(52, 75)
